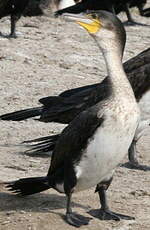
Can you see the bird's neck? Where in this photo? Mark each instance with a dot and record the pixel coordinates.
(117, 76)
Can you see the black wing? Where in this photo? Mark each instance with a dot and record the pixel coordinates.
(75, 137)
(65, 109)
(71, 92)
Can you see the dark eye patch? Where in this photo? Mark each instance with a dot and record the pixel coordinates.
(94, 15)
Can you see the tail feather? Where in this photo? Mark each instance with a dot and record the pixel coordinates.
(22, 114)
(28, 186)
(41, 145)
(46, 138)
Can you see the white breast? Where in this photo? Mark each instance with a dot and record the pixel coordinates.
(106, 150)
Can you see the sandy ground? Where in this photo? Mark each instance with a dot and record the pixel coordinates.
(48, 57)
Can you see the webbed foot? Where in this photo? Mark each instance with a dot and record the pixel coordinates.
(136, 165)
(109, 215)
(12, 35)
(77, 220)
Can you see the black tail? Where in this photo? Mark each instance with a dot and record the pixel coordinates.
(41, 145)
(28, 186)
(22, 114)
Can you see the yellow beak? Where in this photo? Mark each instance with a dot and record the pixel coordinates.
(91, 27)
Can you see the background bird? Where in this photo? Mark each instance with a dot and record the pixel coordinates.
(28, 8)
(114, 6)
(14, 9)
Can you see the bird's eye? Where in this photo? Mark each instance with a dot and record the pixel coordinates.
(94, 16)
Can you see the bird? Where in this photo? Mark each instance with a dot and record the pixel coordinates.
(114, 6)
(96, 141)
(65, 107)
(17, 8)
(27, 8)
(85, 5)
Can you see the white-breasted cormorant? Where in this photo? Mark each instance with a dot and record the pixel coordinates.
(70, 103)
(95, 142)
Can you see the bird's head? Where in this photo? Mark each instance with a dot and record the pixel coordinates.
(105, 27)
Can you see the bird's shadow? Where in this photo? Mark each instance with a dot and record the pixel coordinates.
(126, 23)
(136, 167)
(41, 202)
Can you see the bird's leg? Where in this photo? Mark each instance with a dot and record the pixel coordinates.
(113, 10)
(105, 213)
(14, 19)
(132, 155)
(73, 218)
(130, 19)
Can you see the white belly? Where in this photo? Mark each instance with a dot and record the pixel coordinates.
(104, 152)
(65, 3)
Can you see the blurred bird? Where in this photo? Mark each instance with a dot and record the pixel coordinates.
(114, 6)
(17, 8)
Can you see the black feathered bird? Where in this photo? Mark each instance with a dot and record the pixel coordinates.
(85, 5)
(115, 6)
(95, 142)
(18, 8)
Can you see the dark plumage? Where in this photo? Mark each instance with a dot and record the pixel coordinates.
(85, 5)
(115, 6)
(68, 104)
(145, 12)
(15, 9)
(18, 8)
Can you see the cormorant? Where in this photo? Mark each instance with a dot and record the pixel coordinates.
(70, 103)
(95, 142)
